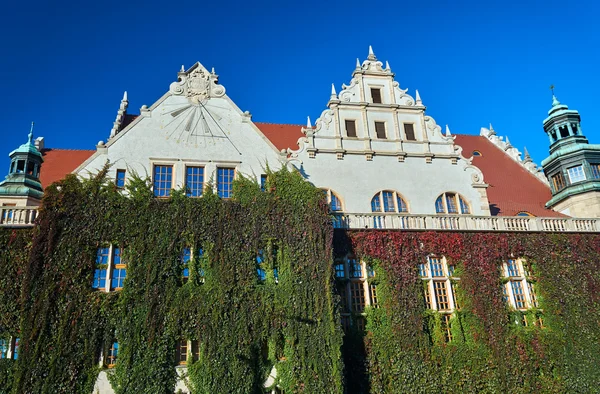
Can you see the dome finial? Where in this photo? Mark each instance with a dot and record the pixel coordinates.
(555, 101)
(31, 132)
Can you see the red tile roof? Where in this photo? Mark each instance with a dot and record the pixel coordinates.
(283, 136)
(60, 162)
(512, 188)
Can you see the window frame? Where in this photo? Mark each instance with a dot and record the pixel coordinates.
(576, 174)
(156, 181)
(382, 202)
(518, 277)
(459, 204)
(379, 94)
(188, 191)
(383, 123)
(219, 184)
(121, 178)
(110, 268)
(414, 134)
(330, 195)
(353, 122)
(357, 288)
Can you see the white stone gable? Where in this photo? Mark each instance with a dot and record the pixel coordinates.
(374, 136)
(194, 124)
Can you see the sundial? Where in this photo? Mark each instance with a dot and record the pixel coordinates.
(195, 122)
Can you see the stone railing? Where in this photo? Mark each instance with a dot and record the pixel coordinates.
(463, 223)
(17, 216)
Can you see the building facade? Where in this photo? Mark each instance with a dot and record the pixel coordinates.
(414, 176)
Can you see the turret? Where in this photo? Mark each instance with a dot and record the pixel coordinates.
(573, 167)
(22, 185)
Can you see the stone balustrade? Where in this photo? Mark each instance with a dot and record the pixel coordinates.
(463, 223)
(17, 216)
(25, 217)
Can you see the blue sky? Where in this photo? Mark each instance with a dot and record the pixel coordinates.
(66, 66)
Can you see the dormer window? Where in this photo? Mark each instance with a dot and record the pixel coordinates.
(576, 174)
(558, 181)
(380, 130)
(351, 128)
(409, 130)
(376, 95)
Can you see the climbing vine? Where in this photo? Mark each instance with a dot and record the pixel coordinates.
(260, 293)
(244, 324)
(491, 349)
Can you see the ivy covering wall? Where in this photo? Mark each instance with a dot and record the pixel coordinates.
(244, 325)
(403, 349)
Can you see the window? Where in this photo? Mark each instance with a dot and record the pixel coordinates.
(558, 181)
(477, 153)
(452, 203)
(263, 182)
(439, 289)
(576, 174)
(260, 259)
(373, 295)
(113, 352)
(225, 182)
(108, 261)
(409, 130)
(355, 290)
(335, 205)
(182, 352)
(595, 171)
(15, 354)
(3, 348)
(380, 130)
(102, 256)
(120, 180)
(163, 180)
(195, 351)
(388, 201)
(119, 271)
(518, 291)
(524, 213)
(186, 256)
(376, 95)
(340, 270)
(350, 128)
(194, 181)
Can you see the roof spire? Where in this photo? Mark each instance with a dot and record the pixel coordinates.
(30, 136)
(492, 131)
(333, 92)
(308, 125)
(508, 145)
(371, 54)
(387, 66)
(182, 69)
(212, 71)
(448, 134)
(125, 96)
(555, 101)
(357, 63)
(527, 158)
(418, 98)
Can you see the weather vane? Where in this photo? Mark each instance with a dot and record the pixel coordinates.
(552, 89)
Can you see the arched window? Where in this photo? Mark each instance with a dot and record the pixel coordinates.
(477, 153)
(452, 203)
(523, 213)
(335, 204)
(388, 201)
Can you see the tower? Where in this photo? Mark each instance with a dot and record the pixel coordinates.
(573, 167)
(22, 185)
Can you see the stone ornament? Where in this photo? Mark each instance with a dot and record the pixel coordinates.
(197, 84)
